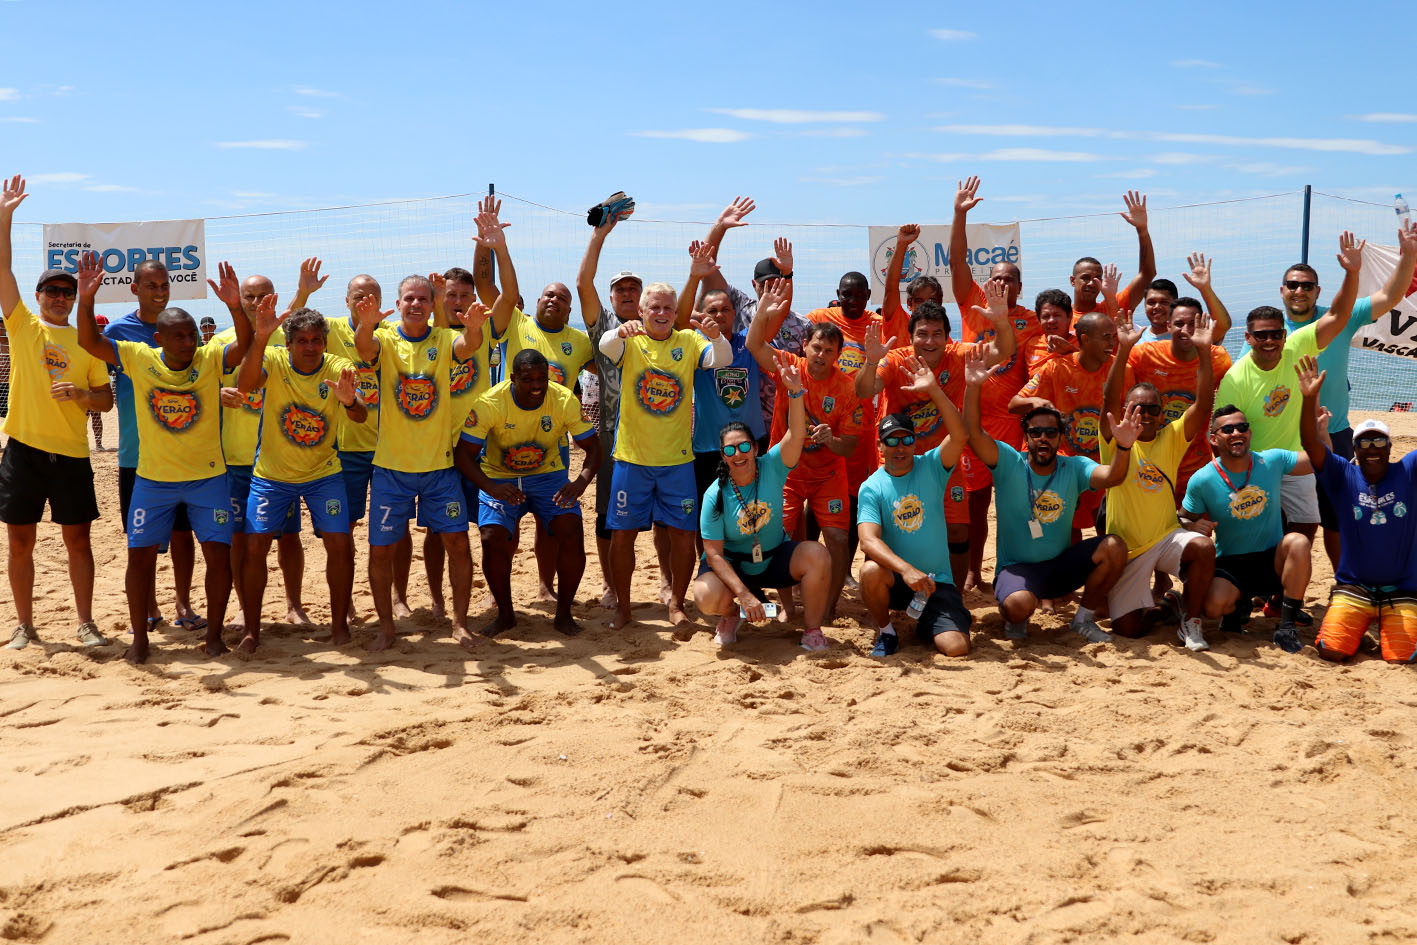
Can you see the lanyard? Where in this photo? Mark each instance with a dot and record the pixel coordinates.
(1221, 469)
(757, 545)
(1033, 495)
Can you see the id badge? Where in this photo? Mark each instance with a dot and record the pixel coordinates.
(757, 553)
(495, 358)
(1035, 529)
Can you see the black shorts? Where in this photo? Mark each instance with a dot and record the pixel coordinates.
(126, 477)
(1049, 579)
(944, 610)
(1342, 446)
(602, 485)
(777, 575)
(30, 478)
(1253, 573)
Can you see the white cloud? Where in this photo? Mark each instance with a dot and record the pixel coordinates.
(315, 93)
(841, 181)
(59, 177)
(304, 111)
(266, 144)
(965, 83)
(1197, 108)
(1347, 145)
(1182, 157)
(1269, 169)
(702, 135)
(253, 194)
(9, 95)
(1395, 117)
(1013, 154)
(953, 35)
(1251, 90)
(795, 116)
(65, 90)
(1022, 131)
(110, 189)
(834, 133)
(1195, 64)
(19, 120)
(1141, 173)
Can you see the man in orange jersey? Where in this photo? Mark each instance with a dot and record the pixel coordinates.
(1055, 338)
(888, 374)
(1073, 385)
(1003, 382)
(834, 418)
(1086, 279)
(1162, 294)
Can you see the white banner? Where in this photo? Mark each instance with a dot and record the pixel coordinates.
(180, 245)
(930, 255)
(1395, 332)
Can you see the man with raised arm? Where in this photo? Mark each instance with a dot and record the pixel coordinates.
(907, 567)
(1300, 294)
(653, 478)
(885, 374)
(413, 458)
(240, 431)
(177, 387)
(818, 481)
(1376, 577)
(517, 429)
(1038, 491)
(306, 392)
(54, 384)
(1086, 279)
(1238, 491)
(1141, 510)
(1003, 382)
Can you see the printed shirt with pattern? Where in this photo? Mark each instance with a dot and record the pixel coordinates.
(43, 355)
(606, 370)
(911, 512)
(791, 336)
(1176, 380)
(832, 401)
(299, 419)
(656, 403)
(1077, 393)
(1376, 524)
(178, 413)
(1050, 500)
(726, 393)
(414, 382)
(241, 426)
(518, 441)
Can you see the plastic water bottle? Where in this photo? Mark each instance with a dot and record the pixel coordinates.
(1404, 212)
(917, 605)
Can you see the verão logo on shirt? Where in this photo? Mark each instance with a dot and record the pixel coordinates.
(1048, 507)
(926, 417)
(254, 400)
(1149, 476)
(417, 395)
(369, 386)
(1248, 503)
(851, 359)
(523, 457)
(554, 372)
(1083, 429)
(56, 361)
(302, 426)
(1276, 400)
(658, 392)
(907, 513)
(174, 409)
(462, 376)
(1174, 404)
(754, 517)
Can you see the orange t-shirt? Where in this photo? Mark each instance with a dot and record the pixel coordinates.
(929, 425)
(1036, 354)
(1004, 380)
(1077, 393)
(831, 401)
(1124, 304)
(1176, 379)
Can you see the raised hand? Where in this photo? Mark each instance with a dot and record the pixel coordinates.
(476, 314)
(876, 349)
(1129, 333)
(1199, 276)
(704, 260)
(1350, 252)
(788, 373)
(1058, 344)
(1126, 430)
(997, 301)
(1135, 214)
(907, 233)
(229, 290)
(1111, 280)
(1203, 335)
(734, 213)
(707, 327)
(310, 278)
(631, 328)
(1311, 379)
(367, 311)
(922, 378)
(489, 204)
(773, 302)
(439, 284)
(90, 275)
(1407, 238)
(965, 199)
(489, 230)
(12, 196)
(782, 255)
(976, 366)
(265, 321)
(348, 386)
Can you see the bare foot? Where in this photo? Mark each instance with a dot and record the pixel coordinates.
(608, 600)
(567, 625)
(499, 625)
(621, 618)
(546, 594)
(137, 652)
(340, 637)
(214, 645)
(677, 617)
(297, 615)
(249, 643)
(439, 609)
(666, 594)
(469, 641)
(381, 642)
(401, 610)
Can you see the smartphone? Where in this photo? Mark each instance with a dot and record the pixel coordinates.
(769, 610)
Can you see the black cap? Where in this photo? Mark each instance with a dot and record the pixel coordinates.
(766, 269)
(59, 275)
(893, 423)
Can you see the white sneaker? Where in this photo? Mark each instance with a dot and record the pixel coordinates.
(1190, 634)
(1091, 632)
(23, 636)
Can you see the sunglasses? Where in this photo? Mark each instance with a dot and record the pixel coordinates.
(58, 292)
(906, 440)
(1269, 334)
(1371, 442)
(1050, 432)
(733, 448)
(1228, 428)
(1149, 410)
(1294, 285)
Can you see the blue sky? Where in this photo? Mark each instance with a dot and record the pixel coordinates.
(856, 113)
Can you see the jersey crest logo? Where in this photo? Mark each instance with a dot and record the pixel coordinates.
(677, 354)
(834, 506)
(416, 395)
(463, 376)
(688, 506)
(1248, 503)
(658, 392)
(471, 421)
(754, 517)
(566, 348)
(174, 410)
(545, 423)
(908, 513)
(431, 354)
(302, 426)
(332, 506)
(1276, 400)
(221, 516)
(731, 385)
(1400, 509)
(524, 457)
(192, 376)
(956, 493)
(827, 404)
(1048, 507)
(56, 361)
(324, 391)
(453, 510)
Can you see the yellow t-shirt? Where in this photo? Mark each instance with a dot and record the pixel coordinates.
(1142, 509)
(414, 378)
(566, 351)
(357, 437)
(240, 426)
(302, 413)
(656, 381)
(467, 381)
(523, 442)
(41, 355)
(178, 412)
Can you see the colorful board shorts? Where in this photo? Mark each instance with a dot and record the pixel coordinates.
(1352, 609)
(826, 496)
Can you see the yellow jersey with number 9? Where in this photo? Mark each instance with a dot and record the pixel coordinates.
(657, 398)
(178, 412)
(301, 416)
(415, 406)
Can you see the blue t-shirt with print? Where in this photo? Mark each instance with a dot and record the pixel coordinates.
(759, 514)
(1246, 518)
(1334, 359)
(911, 512)
(128, 328)
(724, 394)
(1051, 499)
(1376, 522)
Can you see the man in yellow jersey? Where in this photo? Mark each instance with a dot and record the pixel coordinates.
(518, 427)
(653, 481)
(54, 383)
(177, 390)
(413, 458)
(240, 428)
(296, 457)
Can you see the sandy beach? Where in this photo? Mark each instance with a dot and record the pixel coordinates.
(639, 786)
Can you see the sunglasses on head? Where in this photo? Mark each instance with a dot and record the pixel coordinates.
(58, 291)
(732, 448)
(1050, 432)
(905, 440)
(1149, 410)
(1294, 285)
(1269, 334)
(1242, 427)
(1371, 442)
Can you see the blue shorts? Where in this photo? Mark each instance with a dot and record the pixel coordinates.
(324, 497)
(356, 468)
(641, 496)
(154, 506)
(540, 492)
(470, 494)
(238, 481)
(438, 494)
